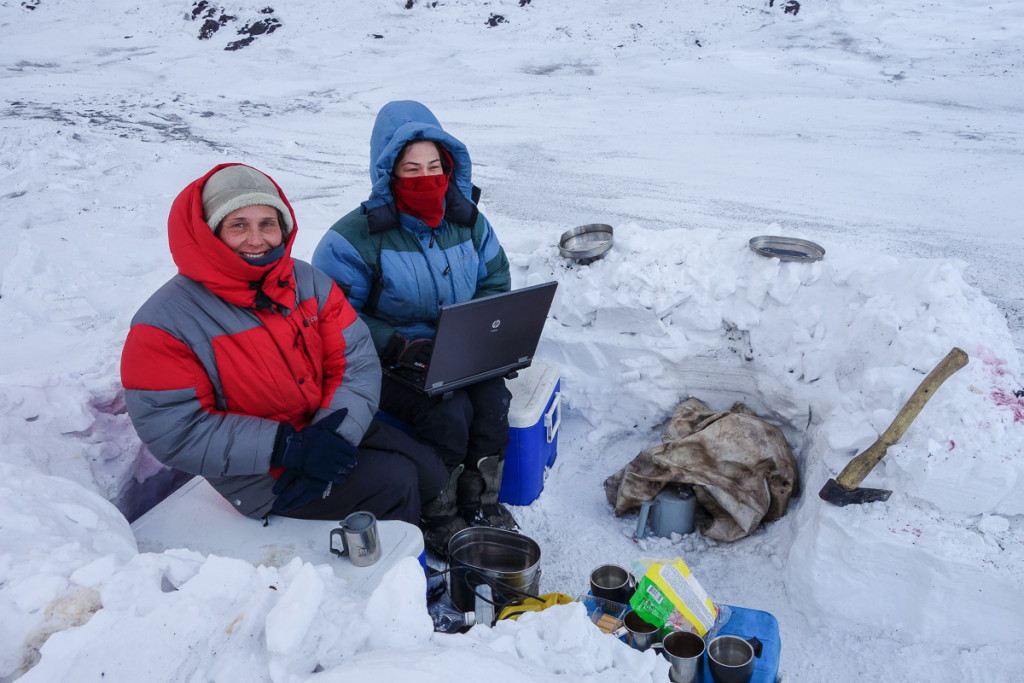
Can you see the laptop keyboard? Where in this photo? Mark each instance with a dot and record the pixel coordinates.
(412, 375)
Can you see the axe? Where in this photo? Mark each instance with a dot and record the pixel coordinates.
(845, 489)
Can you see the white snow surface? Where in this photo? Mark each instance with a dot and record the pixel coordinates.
(888, 132)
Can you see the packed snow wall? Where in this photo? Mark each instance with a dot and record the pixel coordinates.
(829, 351)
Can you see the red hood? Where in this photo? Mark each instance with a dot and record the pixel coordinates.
(201, 256)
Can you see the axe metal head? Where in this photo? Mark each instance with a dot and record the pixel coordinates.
(833, 493)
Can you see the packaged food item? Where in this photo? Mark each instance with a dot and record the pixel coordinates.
(669, 596)
(607, 623)
(606, 614)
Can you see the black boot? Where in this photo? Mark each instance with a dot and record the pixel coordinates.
(439, 518)
(478, 495)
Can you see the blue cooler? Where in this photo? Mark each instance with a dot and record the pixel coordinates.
(533, 419)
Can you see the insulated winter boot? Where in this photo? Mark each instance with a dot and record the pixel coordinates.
(478, 495)
(439, 518)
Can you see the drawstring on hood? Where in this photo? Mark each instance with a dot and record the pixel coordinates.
(262, 302)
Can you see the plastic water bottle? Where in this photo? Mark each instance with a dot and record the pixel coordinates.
(449, 620)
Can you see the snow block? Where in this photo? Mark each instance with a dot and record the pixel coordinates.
(196, 517)
(534, 418)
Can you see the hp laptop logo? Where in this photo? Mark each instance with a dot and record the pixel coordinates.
(495, 324)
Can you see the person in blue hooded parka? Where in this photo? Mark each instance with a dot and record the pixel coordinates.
(419, 242)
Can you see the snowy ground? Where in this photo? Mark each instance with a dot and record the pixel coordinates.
(887, 132)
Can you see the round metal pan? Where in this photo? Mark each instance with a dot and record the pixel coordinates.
(586, 243)
(787, 248)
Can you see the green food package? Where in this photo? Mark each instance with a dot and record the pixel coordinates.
(670, 597)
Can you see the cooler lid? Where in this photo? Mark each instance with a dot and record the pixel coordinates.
(531, 393)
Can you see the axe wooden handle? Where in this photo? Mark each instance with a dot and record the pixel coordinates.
(861, 465)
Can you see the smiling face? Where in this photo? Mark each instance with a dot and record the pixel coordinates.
(421, 158)
(252, 232)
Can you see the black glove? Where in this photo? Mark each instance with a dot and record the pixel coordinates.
(316, 451)
(411, 353)
(294, 491)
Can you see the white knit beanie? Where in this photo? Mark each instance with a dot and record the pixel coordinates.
(235, 187)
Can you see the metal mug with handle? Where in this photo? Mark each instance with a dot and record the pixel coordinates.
(731, 658)
(639, 634)
(612, 582)
(685, 652)
(360, 541)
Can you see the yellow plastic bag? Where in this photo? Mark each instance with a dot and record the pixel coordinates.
(541, 602)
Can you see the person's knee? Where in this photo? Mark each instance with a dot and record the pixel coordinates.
(400, 473)
(401, 494)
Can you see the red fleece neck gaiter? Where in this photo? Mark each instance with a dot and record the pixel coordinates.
(422, 197)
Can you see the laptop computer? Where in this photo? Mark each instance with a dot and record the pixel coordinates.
(480, 339)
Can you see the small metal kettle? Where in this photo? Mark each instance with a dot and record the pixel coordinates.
(671, 511)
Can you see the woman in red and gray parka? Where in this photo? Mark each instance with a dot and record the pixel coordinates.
(251, 369)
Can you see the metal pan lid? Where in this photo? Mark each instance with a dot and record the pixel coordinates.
(787, 248)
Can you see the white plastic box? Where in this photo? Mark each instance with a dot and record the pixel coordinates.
(534, 418)
(198, 518)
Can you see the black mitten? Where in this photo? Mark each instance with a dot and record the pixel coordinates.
(316, 451)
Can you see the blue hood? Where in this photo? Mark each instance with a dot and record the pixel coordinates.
(398, 123)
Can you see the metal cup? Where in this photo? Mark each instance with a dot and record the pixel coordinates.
(731, 658)
(612, 582)
(639, 634)
(359, 539)
(685, 651)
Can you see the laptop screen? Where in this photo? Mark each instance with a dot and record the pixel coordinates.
(487, 337)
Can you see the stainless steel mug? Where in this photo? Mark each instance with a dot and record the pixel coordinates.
(670, 511)
(640, 635)
(359, 539)
(612, 582)
(731, 658)
(685, 651)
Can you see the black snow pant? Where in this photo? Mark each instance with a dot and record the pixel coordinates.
(395, 472)
(470, 424)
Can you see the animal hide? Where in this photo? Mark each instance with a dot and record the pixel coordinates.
(741, 468)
